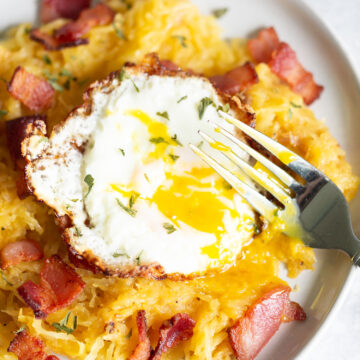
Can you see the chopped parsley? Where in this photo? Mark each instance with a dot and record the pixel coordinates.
(123, 75)
(67, 84)
(204, 103)
(20, 329)
(78, 232)
(139, 257)
(131, 212)
(226, 185)
(53, 81)
(218, 13)
(128, 336)
(158, 140)
(127, 4)
(63, 324)
(133, 197)
(46, 59)
(5, 279)
(182, 98)
(118, 254)
(290, 114)
(200, 144)
(224, 108)
(182, 40)
(295, 105)
(83, 81)
(119, 32)
(3, 113)
(146, 177)
(64, 72)
(122, 151)
(163, 114)
(136, 88)
(89, 180)
(173, 157)
(170, 228)
(174, 137)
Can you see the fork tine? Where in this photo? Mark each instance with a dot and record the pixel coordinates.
(255, 175)
(286, 156)
(282, 175)
(256, 200)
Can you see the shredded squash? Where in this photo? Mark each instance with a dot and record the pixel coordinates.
(107, 308)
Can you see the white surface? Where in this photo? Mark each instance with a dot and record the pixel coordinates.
(340, 106)
(340, 340)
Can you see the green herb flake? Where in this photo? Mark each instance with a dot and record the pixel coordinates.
(295, 105)
(3, 113)
(182, 40)
(133, 197)
(20, 329)
(128, 336)
(224, 108)
(147, 178)
(3, 80)
(290, 114)
(182, 99)
(173, 157)
(131, 212)
(83, 81)
(138, 258)
(118, 254)
(158, 140)
(89, 180)
(65, 72)
(74, 200)
(200, 144)
(218, 13)
(62, 325)
(53, 81)
(163, 114)
(123, 75)
(78, 231)
(226, 185)
(5, 279)
(119, 32)
(122, 151)
(46, 59)
(136, 88)
(174, 137)
(67, 84)
(204, 103)
(170, 228)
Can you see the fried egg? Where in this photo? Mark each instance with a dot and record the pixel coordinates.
(138, 200)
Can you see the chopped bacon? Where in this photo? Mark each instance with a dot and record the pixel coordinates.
(33, 91)
(169, 65)
(16, 131)
(293, 311)
(18, 251)
(27, 347)
(236, 80)
(262, 47)
(143, 348)
(261, 321)
(68, 9)
(172, 332)
(282, 59)
(59, 286)
(285, 64)
(71, 33)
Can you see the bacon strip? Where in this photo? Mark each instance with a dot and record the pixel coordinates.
(261, 321)
(71, 33)
(33, 91)
(285, 64)
(172, 332)
(18, 251)
(143, 348)
(68, 9)
(236, 80)
(266, 47)
(27, 347)
(59, 286)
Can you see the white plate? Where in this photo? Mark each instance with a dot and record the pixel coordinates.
(339, 105)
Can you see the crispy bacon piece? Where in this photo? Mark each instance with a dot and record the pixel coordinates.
(261, 321)
(282, 59)
(285, 64)
(169, 65)
(33, 91)
(27, 347)
(172, 332)
(68, 9)
(262, 47)
(236, 80)
(59, 286)
(71, 33)
(143, 348)
(18, 251)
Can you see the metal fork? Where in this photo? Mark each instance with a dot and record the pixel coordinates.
(314, 209)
